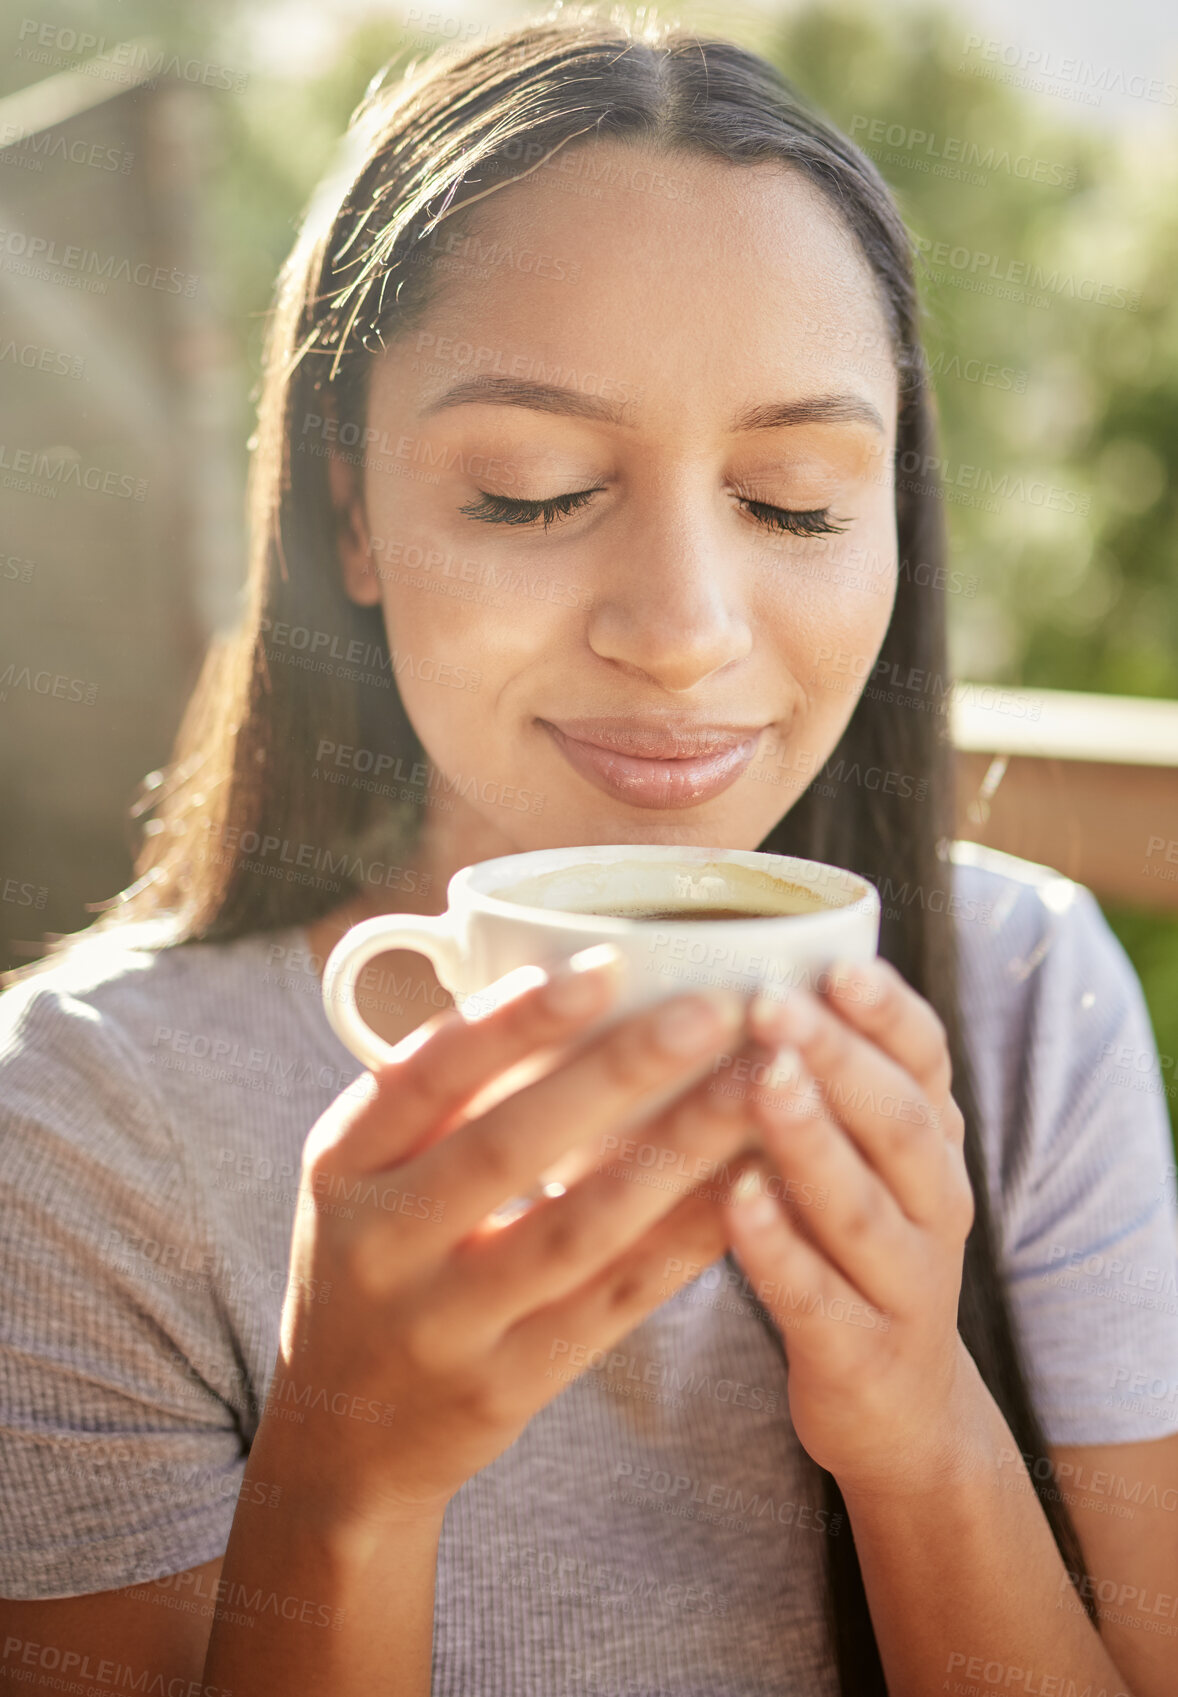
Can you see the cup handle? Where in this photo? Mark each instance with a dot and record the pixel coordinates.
(432, 937)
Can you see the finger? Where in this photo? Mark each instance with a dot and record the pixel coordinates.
(820, 1314)
(446, 1062)
(503, 1152)
(881, 1107)
(551, 1343)
(860, 1228)
(563, 1242)
(878, 1002)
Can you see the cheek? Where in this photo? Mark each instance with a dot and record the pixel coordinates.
(465, 639)
(448, 593)
(493, 617)
(829, 609)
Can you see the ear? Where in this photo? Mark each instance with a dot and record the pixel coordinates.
(346, 483)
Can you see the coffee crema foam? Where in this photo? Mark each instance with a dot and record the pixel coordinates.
(690, 911)
(715, 891)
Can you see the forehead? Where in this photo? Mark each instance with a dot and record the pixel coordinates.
(677, 277)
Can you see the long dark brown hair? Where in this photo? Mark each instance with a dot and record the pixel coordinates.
(239, 804)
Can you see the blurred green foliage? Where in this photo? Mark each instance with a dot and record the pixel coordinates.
(1051, 311)
(1082, 595)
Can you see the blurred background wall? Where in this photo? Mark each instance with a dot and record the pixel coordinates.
(120, 458)
(154, 162)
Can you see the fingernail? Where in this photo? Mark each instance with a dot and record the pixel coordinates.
(747, 1186)
(595, 956)
(764, 1016)
(480, 1004)
(582, 982)
(799, 1018)
(681, 1026)
(785, 1067)
(757, 1208)
(848, 978)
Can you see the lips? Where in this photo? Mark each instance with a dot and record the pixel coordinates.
(660, 765)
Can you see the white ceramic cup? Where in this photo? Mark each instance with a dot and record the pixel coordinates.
(527, 910)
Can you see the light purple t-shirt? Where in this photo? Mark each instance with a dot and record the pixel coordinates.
(656, 1531)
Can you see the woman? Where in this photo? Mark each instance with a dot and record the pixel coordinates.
(584, 387)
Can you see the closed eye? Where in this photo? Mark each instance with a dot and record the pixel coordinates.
(816, 522)
(502, 509)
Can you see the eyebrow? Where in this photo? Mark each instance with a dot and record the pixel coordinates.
(554, 398)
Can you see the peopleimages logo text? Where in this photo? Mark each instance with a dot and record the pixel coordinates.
(38, 41)
(1094, 80)
(42, 250)
(961, 151)
(1026, 273)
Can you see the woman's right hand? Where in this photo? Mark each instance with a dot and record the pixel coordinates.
(443, 1334)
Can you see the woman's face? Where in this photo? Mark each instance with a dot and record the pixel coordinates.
(668, 351)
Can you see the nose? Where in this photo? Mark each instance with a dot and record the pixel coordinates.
(672, 605)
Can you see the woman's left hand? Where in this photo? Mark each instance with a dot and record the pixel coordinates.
(855, 1247)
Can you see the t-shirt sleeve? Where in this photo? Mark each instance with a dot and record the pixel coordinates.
(1090, 1224)
(121, 1453)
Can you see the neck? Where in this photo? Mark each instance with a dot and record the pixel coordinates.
(448, 840)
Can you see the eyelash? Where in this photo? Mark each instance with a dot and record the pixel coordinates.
(502, 509)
